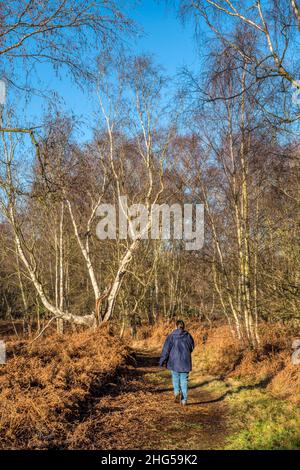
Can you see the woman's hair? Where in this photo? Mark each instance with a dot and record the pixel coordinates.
(180, 324)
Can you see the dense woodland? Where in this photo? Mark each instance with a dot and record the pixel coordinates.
(226, 137)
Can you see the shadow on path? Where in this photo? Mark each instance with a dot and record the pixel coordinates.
(136, 410)
(262, 384)
(201, 425)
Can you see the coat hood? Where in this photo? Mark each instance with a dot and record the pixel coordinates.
(179, 332)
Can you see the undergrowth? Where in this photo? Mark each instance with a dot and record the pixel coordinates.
(265, 423)
(46, 388)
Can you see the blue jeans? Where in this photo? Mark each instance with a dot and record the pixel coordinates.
(180, 383)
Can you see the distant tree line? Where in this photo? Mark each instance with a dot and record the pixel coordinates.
(226, 138)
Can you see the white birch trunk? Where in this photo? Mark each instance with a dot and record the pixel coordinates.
(86, 320)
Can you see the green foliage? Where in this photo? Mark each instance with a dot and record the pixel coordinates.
(268, 423)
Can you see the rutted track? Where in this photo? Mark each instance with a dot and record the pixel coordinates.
(138, 412)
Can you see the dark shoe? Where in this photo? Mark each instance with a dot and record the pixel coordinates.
(177, 398)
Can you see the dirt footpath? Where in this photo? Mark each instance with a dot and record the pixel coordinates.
(139, 412)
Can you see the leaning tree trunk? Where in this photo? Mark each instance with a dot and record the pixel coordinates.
(112, 297)
(86, 320)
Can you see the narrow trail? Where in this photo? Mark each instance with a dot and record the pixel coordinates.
(139, 412)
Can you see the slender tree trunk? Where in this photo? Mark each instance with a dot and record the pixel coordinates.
(86, 320)
(24, 300)
(112, 297)
(60, 322)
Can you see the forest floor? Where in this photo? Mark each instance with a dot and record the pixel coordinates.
(222, 413)
(76, 392)
(140, 412)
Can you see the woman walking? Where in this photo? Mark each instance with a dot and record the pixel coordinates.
(176, 356)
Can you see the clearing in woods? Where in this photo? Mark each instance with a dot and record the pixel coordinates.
(139, 412)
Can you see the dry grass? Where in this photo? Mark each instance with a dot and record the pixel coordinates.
(153, 337)
(218, 353)
(286, 384)
(59, 392)
(45, 388)
(224, 355)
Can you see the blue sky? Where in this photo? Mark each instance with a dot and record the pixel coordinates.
(164, 37)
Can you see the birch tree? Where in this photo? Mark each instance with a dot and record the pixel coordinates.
(274, 27)
(145, 84)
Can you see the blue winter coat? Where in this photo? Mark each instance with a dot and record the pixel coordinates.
(177, 351)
